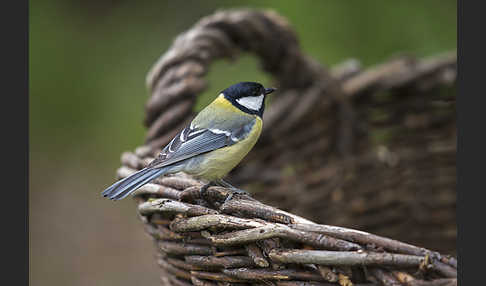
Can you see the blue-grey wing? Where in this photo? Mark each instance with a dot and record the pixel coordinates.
(193, 141)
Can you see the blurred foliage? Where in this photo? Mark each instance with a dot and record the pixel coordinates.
(87, 67)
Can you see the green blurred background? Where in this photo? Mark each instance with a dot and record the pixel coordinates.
(88, 61)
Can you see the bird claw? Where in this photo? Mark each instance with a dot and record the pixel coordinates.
(234, 191)
(203, 189)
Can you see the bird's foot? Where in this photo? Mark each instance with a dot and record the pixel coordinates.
(234, 191)
(204, 188)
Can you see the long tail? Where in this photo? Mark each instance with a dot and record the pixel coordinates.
(126, 186)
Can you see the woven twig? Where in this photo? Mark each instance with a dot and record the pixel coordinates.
(178, 76)
(327, 131)
(199, 242)
(326, 156)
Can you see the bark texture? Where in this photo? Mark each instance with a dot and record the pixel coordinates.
(203, 239)
(370, 149)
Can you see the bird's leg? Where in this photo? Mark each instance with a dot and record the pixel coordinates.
(204, 188)
(233, 190)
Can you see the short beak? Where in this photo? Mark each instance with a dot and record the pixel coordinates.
(269, 90)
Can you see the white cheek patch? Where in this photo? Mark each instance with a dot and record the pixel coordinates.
(251, 102)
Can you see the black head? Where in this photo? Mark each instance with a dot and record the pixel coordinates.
(248, 96)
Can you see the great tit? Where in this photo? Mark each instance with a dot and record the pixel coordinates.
(216, 140)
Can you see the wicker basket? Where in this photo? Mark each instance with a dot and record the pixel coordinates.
(369, 149)
(205, 240)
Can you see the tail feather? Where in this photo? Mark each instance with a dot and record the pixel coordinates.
(130, 189)
(117, 184)
(134, 179)
(124, 187)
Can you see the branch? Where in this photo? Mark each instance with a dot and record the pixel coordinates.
(345, 258)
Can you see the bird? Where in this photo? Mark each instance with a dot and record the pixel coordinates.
(215, 141)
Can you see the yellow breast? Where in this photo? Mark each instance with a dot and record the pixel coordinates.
(216, 164)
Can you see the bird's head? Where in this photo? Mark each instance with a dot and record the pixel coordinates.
(248, 96)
